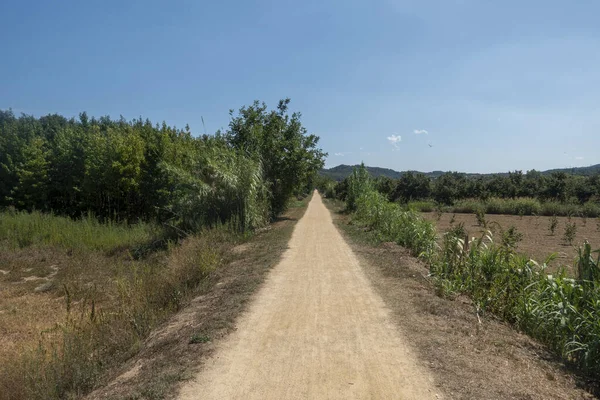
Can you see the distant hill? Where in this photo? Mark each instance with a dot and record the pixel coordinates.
(342, 171)
(591, 170)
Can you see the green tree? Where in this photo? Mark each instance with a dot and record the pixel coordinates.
(449, 187)
(412, 186)
(557, 187)
(289, 156)
(32, 174)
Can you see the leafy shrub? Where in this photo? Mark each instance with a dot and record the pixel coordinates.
(556, 208)
(467, 206)
(525, 206)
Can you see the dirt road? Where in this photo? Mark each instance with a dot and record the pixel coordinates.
(316, 330)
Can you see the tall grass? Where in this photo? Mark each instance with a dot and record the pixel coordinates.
(392, 223)
(231, 192)
(71, 358)
(22, 229)
(560, 311)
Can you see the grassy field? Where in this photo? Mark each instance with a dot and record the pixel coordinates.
(538, 241)
(78, 298)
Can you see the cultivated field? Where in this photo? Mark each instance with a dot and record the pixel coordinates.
(537, 242)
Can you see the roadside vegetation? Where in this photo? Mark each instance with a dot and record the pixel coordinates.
(108, 227)
(559, 310)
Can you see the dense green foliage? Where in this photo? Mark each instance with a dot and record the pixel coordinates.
(289, 157)
(135, 170)
(558, 310)
(532, 193)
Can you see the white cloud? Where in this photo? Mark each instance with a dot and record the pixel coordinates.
(420, 132)
(394, 140)
(339, 154)
(579, 158)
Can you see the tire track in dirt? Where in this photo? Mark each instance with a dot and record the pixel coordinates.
(316, 330)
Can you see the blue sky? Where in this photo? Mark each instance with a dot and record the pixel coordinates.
(496, 85)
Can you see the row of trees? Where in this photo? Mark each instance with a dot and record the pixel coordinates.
(453, 186)
(136, 170)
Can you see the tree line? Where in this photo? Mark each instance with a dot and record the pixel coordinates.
(132, 170)
(451, 187)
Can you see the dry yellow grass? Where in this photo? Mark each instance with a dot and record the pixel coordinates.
(69, 314)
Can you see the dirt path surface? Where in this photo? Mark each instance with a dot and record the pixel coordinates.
(316, 330)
